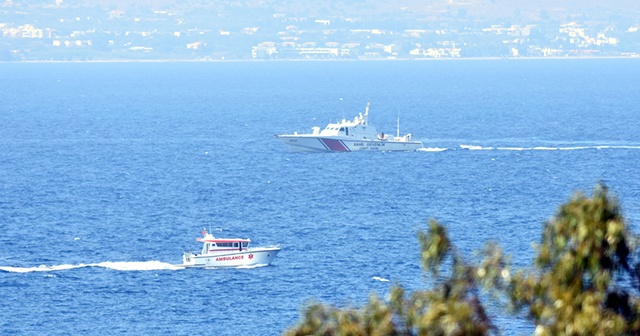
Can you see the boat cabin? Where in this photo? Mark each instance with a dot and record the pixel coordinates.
(212, 245)
(358, 127)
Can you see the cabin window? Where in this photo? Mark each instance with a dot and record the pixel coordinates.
(235, 244)
(245, 244)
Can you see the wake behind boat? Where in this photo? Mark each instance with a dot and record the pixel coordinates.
(228, 252)
(349, 136)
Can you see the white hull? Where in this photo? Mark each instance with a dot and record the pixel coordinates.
(314, 143)
(251, 257)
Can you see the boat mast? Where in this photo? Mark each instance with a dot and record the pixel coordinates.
(366, 114)
(398, 127)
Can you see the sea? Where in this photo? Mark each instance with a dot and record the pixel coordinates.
(110, 171)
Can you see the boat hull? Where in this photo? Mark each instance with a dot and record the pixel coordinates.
(251, 257)
(301, 143)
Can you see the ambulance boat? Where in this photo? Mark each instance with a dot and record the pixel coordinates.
(229, 252)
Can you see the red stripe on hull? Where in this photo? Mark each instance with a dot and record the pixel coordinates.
(335, 145)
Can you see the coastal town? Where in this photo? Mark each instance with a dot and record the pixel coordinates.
(57, 31)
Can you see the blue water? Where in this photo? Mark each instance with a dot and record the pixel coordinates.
(108, 172)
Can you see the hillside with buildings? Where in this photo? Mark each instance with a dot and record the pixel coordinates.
(83, 30)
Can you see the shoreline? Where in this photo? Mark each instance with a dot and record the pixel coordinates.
(324, 60)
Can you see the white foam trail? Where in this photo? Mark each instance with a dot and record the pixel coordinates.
(616, 147)
(377, 278)
(475, 147)
(576, 148)
(546, 148)
(137, 265)
(432, 149)
(513, 148)
(471, 147)
(120, 266)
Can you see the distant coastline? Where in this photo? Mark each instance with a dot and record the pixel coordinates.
(524, 58)
(263, 31)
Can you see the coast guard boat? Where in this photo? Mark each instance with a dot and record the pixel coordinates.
(228, 252)
(349, 136)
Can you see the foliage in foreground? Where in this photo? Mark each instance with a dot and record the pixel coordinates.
(583, 283)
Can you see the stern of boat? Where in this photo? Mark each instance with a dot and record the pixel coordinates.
(188, 258)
